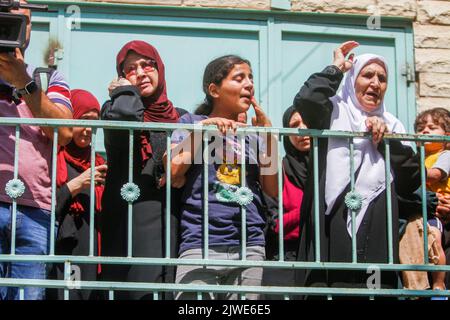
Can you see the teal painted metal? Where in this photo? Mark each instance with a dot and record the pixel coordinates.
(67, 271)
(226, 263)
(424, 203)
(389, 201)
(14, 206)
(92, 197)
(130, 205)
(168, 202)
(53, 205)
(280, 203)
(168, 287)
(205, 142)
(243, 210)
(132, 125)
(352, 188)
(315, 146)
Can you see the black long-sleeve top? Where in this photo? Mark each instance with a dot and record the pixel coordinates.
(314, 105)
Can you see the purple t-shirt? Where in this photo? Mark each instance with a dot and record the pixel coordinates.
(224, 217)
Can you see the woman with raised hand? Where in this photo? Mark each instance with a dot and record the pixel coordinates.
(359, 106)
(139, 94)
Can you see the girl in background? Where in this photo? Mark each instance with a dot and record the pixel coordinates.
(73, 197)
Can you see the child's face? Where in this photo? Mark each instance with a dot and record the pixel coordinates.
(236, 90)
(429, 127)
(301, 143)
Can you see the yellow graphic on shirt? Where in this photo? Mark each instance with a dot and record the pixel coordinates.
(440, 186)
(229, 173)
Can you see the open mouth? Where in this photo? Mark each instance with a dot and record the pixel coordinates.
(247, 97)
(373, 95)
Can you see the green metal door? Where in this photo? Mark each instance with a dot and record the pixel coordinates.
(284, 49)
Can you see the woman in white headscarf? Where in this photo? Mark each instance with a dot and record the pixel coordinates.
(358, 107)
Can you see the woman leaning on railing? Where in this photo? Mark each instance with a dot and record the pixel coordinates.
(357, 107)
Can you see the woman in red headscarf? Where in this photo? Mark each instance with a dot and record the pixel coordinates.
(139, 94)
(73, 195)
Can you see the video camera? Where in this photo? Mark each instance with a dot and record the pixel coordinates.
(13, 27)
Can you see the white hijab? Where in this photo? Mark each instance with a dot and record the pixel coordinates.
(348, 115)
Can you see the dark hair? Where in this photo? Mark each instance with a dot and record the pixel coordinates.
(215, 72)
(440, 117)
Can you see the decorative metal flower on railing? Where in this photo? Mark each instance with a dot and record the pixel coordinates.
(230, 193)
(15, 188)
(244, 196)
(130, 192)
(353, 200)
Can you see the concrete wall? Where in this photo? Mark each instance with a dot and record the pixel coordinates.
(431, 32)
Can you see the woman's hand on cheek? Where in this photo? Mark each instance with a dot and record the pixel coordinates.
(261, 119)
(118, 82)
(377, 127)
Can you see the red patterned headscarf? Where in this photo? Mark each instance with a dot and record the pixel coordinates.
(158, 108)
(80, 158)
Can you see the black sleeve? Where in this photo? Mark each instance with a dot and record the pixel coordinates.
(406, 166)
(63, 197)
(411, 204)
(312, 101)
(407, 181)
(125, 105)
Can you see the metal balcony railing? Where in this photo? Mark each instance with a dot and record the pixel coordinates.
(167, 260)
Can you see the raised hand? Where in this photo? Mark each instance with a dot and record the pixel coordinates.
(118, 82)
(261, 119)
(341, 52)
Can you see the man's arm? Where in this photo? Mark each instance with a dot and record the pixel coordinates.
(13, 70)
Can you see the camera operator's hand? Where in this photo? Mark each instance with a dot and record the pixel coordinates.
(13, 69)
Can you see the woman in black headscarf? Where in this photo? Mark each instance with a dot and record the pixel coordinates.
(295, 165)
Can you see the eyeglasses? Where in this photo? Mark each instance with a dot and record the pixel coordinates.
(146, 66)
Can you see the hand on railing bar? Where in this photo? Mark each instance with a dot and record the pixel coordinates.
(223, 124)
(377, 127)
